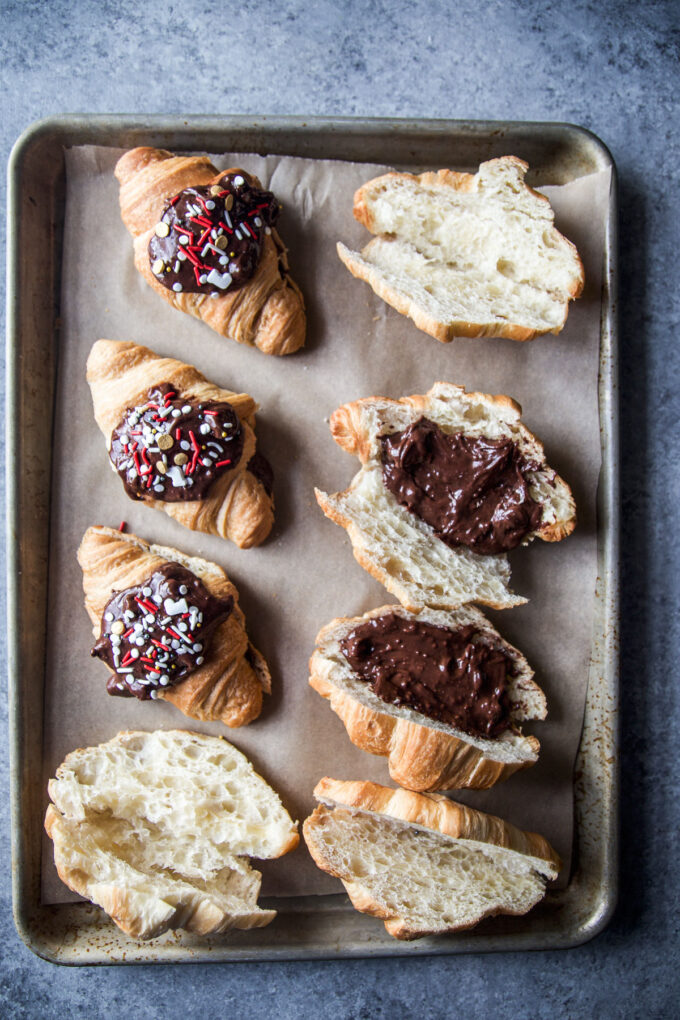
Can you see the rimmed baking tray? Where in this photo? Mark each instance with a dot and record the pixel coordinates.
(313, 926)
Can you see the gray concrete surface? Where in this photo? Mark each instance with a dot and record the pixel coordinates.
(612, 67)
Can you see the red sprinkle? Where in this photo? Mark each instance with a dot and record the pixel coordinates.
(221, 463)
(123, 524)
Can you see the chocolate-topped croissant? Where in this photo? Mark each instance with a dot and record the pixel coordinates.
(206, 242)
(181, 444)
(191, 649)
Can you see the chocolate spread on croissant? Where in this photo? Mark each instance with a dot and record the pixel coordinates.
(172, 449)
(156, 633)
(471, 490)
(451, 676)
(209, 239)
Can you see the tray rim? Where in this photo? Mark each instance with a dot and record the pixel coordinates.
(85, 129)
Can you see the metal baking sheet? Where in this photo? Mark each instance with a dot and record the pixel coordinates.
(313, 926)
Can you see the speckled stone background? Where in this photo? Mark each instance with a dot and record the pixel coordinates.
(612, 67)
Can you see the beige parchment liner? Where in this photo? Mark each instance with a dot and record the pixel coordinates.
(305, 574)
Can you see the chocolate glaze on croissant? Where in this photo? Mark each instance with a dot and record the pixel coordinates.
(238, 505)
(268, 312)
(228, 687)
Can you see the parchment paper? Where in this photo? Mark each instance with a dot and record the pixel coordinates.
(305, 574)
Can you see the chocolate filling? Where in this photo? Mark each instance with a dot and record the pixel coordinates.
(453, 677)
(156, 633)
(260, 468)
(209, 239)
(472, 491)
(172, 449)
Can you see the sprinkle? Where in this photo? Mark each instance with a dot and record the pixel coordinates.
(184, 239)
(215, 189)
(122, 526)
(210, 204)
(229, 200)
(180, 458)
(221, 463)
(161, 468)
(162, 229)
(117, 627)
(165, 442)
(108, 617)
(158, 266)
(177, 287)
(239, 181)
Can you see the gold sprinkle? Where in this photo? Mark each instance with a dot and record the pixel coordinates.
(162, 229)
(180, 458)
(228, 202)
(161, 468)
(215, 190)
(158, 266)
(221, 242)
(117, 627)
(231, 254)
(165, 441)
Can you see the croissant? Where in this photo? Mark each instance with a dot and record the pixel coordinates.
(228, 685)
(238, 504)
(267, 311)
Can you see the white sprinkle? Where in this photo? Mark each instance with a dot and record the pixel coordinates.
(202, 278)
(267, 230)
(154, 694)
(238, 234)
(182, 256)
(204, 429)
(176, 267)
(184, 445)
(183, 239)
(223, 260)
(146, 592)
(177, 287)
(227, 218)
(198, 647)
(257, 221)
(158, 488)
(238, 181)
(186, 408)
(181, 626)
(176, 413)
(134, 652)
(149, 619)
(200, 660)
(108, 617)
(207, 462)
(221, 280)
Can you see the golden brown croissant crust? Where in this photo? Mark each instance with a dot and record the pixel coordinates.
(268, 312)
(238, 506)
(228, 686)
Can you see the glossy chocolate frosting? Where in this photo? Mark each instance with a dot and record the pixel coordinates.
(471, 490)
(451, 676)
(173, 449)
(209, 239)
(157, 633)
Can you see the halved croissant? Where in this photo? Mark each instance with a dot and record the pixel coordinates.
(267, 312)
